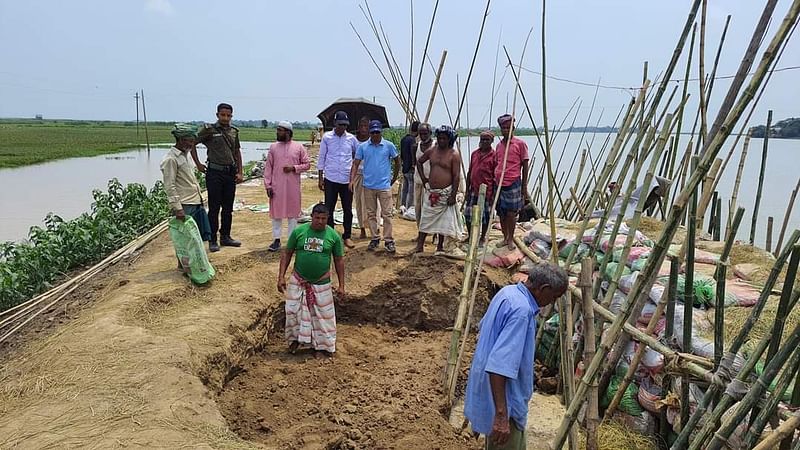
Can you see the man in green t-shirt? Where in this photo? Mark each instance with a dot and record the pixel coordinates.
(310, 313)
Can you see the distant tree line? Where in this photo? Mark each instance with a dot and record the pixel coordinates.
(786, 128)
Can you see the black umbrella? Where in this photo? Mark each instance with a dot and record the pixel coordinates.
(356, 108)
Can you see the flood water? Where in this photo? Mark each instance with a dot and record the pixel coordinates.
(64, 187)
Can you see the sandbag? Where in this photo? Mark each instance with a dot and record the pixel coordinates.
(190, 251)
(629, 402)
(740, 293)
(649, 396)
(634, 254)
(611, 270)
(704, 289)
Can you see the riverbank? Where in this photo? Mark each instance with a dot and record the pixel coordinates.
(27, 142)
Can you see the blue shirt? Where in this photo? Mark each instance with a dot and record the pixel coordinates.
(336, 156)
(505, 347)
(377, 162)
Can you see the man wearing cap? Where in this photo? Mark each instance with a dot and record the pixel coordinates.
(223, 171)
(440, 215)
(336, 150)
(511, 177)
(481, 171)
(180, 184)
(380, 174)
(362, 135)
(286, 159)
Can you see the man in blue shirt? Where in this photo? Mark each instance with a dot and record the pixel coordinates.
(377, 156)
(500, 382)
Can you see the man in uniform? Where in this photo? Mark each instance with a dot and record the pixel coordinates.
(310, 312)
(336, 150)
(223, 171)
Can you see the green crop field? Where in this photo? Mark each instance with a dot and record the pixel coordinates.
(24, 142)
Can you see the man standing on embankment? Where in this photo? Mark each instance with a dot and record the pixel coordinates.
(500, 382)
(513, 169)
(223, 171)
(286, 159)
(336, 150)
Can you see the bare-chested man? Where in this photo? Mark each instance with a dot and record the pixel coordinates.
(440, 214)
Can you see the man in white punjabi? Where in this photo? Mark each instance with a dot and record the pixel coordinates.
(440, 214)
(310, 312)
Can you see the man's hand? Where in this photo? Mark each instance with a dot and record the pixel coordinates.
(394, 180)
(350, 185)
(180, 215)
(239, 178)
(288, 169)
(281, 285)
(201, 167)
(451, 200)
(321, 184)
(270, 192)
(340, 291)
(526, 196)
(501, 429)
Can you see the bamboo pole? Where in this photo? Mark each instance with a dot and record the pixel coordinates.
(788, 214)
(729, 120)
(688, 294)
(435, 85)
(760, 189)
(768, 246)
(472, 64)
(756, 389)
(736, 344)
(722, 267)
(592, 412)
(672, 294)
(713, 215)
(463, 298)
(761, 417)
(783, 305)
(701, 59)
(718, 221)
(784, 431)
(425, 51)
(144, 115)
(707, 192)
(737, 183)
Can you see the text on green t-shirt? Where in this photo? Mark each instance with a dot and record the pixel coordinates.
(313, 250)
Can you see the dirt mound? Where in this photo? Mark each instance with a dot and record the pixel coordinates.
(383, 389)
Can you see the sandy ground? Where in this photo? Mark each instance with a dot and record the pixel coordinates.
(139, 357)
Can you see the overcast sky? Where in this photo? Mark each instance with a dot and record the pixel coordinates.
(84, 59)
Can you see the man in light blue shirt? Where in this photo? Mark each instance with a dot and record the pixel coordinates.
(336, 150)
(500, 382)
(377, 156)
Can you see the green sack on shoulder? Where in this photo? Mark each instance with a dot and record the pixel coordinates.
(190, 250)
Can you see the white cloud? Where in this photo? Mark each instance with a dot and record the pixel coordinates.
(163, 7)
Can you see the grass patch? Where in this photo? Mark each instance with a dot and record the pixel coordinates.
(28, 142)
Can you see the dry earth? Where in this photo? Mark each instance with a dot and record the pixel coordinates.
(139, 357)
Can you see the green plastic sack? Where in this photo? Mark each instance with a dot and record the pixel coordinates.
(611, 270)
(629, 403)
(549, 343)
(705, 289)
(787, 395)
(190, 250)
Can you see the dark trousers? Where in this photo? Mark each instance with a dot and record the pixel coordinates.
(221, 187)
(342, 191)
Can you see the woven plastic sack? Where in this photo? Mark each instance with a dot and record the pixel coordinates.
(611, 270)
(548, 342)
(649, 395)
(704, 289)
(190, 250)
(629, 403)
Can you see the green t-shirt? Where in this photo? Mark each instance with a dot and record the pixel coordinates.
(313, 251)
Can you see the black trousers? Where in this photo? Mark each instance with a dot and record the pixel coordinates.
(221, 187)
(342, 191)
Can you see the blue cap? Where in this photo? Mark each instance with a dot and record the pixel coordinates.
(375, 125)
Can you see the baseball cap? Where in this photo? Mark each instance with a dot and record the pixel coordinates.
(375, 125)
(340, 118)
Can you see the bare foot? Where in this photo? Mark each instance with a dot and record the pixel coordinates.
(419, 249)
(293, 347)
(363, 235)
(322, 354)
(349, 243)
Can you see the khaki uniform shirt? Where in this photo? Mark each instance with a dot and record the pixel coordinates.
(221, 143)
(179, 180)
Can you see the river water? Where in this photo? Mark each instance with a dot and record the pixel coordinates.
(64, 187)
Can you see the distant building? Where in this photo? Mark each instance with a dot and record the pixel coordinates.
(38, 117)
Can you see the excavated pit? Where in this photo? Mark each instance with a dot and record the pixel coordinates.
(382, 389)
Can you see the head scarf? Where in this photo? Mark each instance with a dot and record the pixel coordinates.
(487, 133)
(285, 125)
(446, 129)
(184, 130)
(504, 119)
